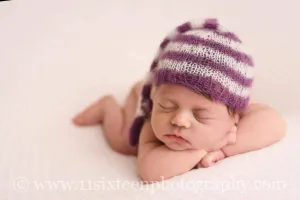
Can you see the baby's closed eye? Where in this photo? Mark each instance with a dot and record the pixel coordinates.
(202, 115)
(166, 108)
(167, 105)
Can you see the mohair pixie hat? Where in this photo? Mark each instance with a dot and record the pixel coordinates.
(206, 58)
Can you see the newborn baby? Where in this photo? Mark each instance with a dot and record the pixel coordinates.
(193, 108)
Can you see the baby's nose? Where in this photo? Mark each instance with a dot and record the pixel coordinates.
(181, 120)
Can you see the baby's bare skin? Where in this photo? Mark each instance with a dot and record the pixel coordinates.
(115, 119)
(258, 127)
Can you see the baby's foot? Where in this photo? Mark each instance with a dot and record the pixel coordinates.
(211, 158)
(93, 114)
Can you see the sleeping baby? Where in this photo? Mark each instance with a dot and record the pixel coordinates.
(192, 109)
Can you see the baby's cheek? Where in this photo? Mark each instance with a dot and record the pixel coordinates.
(222, 129)
(205, 137)
(202, 141)
(160, 123)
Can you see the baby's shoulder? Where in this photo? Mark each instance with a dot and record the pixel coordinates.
(253, 106)
(253, 100)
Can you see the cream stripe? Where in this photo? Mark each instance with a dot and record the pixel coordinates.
(197, 23)
(210, 35)
(205, 71)
(242, 68)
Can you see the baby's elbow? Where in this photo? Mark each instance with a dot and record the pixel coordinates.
(148, 178)
(282, 129)
(148, 172)
(281, 125)
(148, 175)
(277, 122)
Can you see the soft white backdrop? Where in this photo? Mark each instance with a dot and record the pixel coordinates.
(83, 46)
(56, 57)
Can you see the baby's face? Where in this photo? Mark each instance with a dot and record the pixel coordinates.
(183, 119)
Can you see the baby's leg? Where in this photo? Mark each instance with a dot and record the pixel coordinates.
(115, 120)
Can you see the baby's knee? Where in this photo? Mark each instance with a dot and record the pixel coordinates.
(123, 148)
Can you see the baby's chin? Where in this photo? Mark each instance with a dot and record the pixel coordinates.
(176, 147)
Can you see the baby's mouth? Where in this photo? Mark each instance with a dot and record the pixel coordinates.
(176, 138)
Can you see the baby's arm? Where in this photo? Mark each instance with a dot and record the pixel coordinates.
(259, 127)
(157, 162)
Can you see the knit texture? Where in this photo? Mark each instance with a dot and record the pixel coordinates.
(204, 57)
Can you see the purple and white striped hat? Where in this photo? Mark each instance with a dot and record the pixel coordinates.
(206, 58)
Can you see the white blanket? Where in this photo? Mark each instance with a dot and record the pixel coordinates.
(51, 159)
(59, 56)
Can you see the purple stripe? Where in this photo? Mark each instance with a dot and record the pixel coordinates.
(234, 75)
(194, 40)
(153, 65)
(204, 85)
(135, 130)
(211, 24)
(146, 106)
(229, 35)
(146, 91)
(184, 27)
(164, 43)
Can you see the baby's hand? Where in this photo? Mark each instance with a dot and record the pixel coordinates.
(211, 158)
(216, 153)
(228, 139)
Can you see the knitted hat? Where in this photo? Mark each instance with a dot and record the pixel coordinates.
(206, 58)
